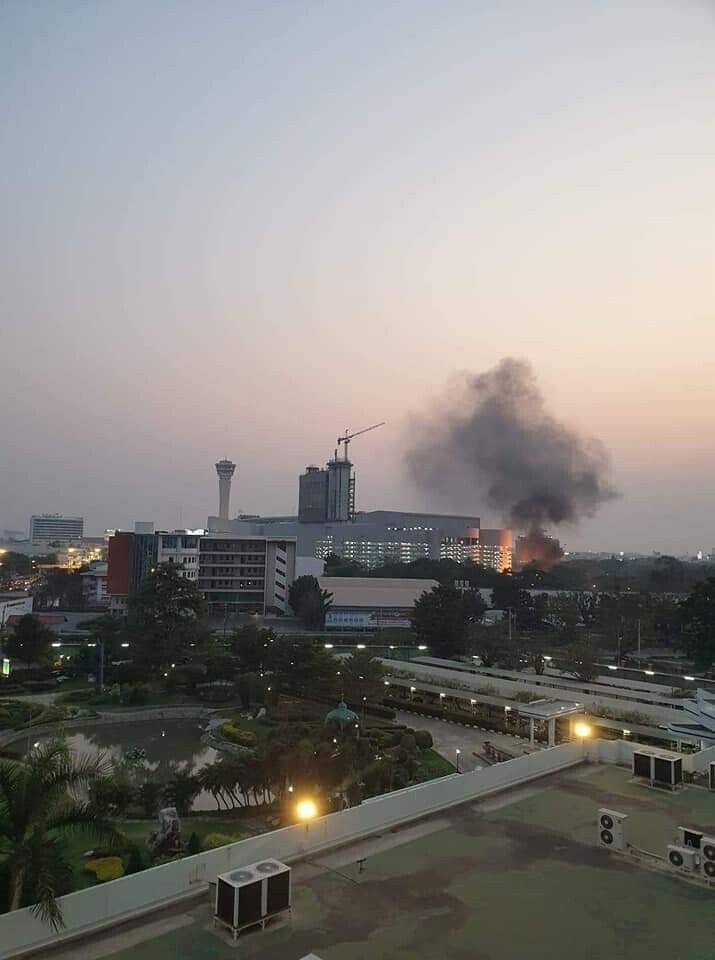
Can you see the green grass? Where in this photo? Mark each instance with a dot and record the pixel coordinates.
(433, 764)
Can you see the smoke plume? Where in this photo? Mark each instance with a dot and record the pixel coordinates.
(494, 439)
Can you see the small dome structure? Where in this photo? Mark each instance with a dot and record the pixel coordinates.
(341, 716)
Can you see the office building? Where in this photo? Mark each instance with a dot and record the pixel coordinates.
(327, 495)
(181, 547)
(377, 536)
(313, 495)
(94, 584)
(246, 575)
(130, 557)
(48, 528)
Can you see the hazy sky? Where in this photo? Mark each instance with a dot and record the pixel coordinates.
(234, 228)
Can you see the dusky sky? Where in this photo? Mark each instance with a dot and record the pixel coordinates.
(234, 228)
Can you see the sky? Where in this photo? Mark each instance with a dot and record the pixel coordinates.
(237, 228)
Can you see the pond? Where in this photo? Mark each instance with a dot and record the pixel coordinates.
(168, 744)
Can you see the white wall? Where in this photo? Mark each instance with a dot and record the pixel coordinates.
(118, 900)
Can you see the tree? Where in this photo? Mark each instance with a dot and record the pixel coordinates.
(163, 617)
(362, 676)
(309, 602)
(250, 644)
(61, 589)
(181, 790)
(30, 641)
(106, 631)
(697, 614)
(441, 619)
(40, 804)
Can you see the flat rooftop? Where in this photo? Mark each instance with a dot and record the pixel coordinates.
(375, 591)
(517, 875)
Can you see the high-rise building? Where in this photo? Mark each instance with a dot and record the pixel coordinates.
(54, 528)
(327, 495)
(341, 491)
(225, 470)
(313, 495)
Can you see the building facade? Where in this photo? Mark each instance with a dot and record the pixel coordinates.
(245, 575)
(54, 528)
(94, 584)
(369, 603)
(180, 548)
(376, 536)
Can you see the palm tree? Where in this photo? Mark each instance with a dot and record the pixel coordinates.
(41, 801)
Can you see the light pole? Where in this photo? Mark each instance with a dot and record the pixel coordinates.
(459, 756)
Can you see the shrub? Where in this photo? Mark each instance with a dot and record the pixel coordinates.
(105, 868)
(134, 862)
(379, 710)
(137, 693)
(233, 732)
(189, 674)
(423, 738)
(213, 840)
(194, 845)
(215, 692)
(76, 696)
(39, 686)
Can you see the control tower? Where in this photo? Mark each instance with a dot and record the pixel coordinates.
(225, 470)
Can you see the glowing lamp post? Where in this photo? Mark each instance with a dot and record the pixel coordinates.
(306, 811)
(582, 731)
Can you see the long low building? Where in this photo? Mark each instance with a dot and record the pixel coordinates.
(371, 603)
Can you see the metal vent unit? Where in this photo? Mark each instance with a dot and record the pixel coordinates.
(689, 838)
(612, 829)
(660, 769)
(711, 774)
(682, 859)
(252, 894)
(707, 857)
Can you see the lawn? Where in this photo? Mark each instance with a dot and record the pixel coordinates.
(433, 764)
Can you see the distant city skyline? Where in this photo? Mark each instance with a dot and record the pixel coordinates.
(235, 229)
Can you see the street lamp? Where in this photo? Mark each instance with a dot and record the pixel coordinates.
(582, 730)
(306, 811)
(412, 690)
(459, 754)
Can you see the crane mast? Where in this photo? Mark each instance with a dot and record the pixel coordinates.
(347, 437)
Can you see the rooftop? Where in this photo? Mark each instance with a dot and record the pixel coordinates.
(517, 875)
(375, 592)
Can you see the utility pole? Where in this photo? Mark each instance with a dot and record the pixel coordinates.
(639, 639)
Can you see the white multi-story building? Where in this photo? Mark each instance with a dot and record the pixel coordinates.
(54, 528)
(94, 585)
(181, 547)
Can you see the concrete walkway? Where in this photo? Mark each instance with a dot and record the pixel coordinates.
(450, 737)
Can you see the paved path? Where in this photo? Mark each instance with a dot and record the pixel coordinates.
(448, 737)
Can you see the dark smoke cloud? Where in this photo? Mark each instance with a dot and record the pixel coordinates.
(494, 437)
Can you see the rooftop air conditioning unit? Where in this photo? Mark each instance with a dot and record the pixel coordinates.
(682, 859)
(252, 894)
(642, 764)
(707, 857)
(276, 886)
(711, 774)
(612, 829)
(659, 769)
(689, 838)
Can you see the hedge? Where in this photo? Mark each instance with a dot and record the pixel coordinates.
(105, 868)
(232, 731)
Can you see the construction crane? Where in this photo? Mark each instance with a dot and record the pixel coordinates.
(347, 437)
